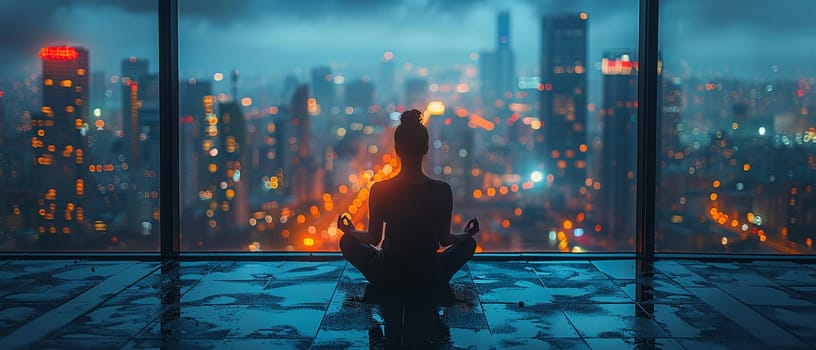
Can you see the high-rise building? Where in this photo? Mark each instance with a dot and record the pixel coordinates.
(234, 173)
(58, 143)
(498, 72)
(99, 87)
(669, 121)
(133, 71)
(322, 89)
(322, 113)
(290, 83)
(192, 95)
(307, 178)
(416, 94)
(388, 81)
(147, 126)
(563, 97)
(264, 155)
(360, 95)
(618, 163)
(209, 171)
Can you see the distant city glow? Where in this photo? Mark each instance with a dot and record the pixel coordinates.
(537, 176)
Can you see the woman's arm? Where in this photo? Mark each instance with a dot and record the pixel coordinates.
(375, 221)
(471, 228)
(446, 238)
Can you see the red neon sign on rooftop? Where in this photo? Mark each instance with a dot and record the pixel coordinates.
(59, 53)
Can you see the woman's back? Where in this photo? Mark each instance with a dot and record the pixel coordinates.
(416, 215)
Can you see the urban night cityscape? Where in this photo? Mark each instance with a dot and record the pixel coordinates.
(286, 119)
(210, 174)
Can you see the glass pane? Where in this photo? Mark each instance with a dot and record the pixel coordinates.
(79, 131)
(288, 114)
(737, 140)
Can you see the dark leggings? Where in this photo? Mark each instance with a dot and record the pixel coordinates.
(371, 263)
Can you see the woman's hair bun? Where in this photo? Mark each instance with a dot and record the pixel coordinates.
(411, 118)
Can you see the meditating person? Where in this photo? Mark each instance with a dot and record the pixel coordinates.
(415, 212)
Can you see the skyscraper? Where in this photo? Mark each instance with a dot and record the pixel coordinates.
(322, 112)
(388, 82)
(234, 174)
(290, 83)
(322, 89)
(98, 98)
(563, 98)
(307, 178)
(58, 142)
(498, 68)
(416, 94)
(360, 95)
(619, 154)
(192, 95)
(133, 71)
(671, 111)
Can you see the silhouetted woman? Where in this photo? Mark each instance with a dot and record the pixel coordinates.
(415, 211)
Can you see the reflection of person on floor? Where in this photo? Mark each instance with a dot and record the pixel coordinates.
(415, 211)
(409, 320)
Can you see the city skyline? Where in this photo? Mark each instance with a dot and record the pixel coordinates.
(534, 155)
(429, 32)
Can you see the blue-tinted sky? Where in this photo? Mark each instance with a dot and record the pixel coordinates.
(268, 38)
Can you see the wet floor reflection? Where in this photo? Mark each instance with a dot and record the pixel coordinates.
(409, 318)
(170, 290)
(644, 298)
(582, 304)
(644, 285)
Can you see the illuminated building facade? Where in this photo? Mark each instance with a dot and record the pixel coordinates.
(306, 177)
(191, 131)
(563, 99)
(264, 169)
(672, 108)
(619, 155)
(323, 112)
(233, 184)
(58, 143)
(133, 70)
(211, 147)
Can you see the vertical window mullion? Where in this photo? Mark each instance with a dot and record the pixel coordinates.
(169, 129)
(648, 82)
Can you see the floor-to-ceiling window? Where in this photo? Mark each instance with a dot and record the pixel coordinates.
(288, 111)
(736, 137)
(79, 126)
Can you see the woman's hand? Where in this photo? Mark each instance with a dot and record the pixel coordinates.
(472, 227)
(344, 224)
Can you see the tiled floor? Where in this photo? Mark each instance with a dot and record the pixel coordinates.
(581, 304)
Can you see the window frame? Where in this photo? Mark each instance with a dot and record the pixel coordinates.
(648, 99)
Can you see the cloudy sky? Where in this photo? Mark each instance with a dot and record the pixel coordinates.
(266, 39)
